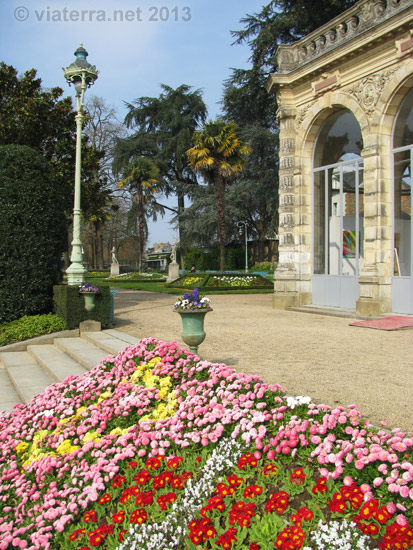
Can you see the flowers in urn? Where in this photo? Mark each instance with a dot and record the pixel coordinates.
(192, 302)
(88, 288)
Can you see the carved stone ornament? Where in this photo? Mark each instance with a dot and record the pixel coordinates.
(302, 113)
(368, 91)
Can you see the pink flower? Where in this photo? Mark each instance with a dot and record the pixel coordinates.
(377, 481)
(401, 519)
(348, 481)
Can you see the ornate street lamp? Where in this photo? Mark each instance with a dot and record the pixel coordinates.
(82, 75)
(239, 225)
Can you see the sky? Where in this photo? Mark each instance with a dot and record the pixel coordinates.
(135, 44)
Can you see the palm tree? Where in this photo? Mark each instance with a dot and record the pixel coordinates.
(219, 156)
(140, 176)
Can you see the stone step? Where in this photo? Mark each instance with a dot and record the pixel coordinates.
(85, 353)
(8, 394)
(26, 375)
(57, 364)
(112, 341)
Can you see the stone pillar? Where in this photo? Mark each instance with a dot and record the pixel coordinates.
(375, 277)
(285, 276)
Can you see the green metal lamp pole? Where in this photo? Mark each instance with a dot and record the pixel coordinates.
(239, 225)
(82, 75)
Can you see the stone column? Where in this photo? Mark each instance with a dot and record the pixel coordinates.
(375, 277)
(285, 276)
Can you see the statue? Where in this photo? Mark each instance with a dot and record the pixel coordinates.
(173, 268)
(173, 253)
(114, 258)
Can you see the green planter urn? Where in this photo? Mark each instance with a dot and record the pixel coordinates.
(89, 298)
(193, 333)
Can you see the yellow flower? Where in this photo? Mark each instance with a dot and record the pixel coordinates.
(66, 447)
(22, 446)
(91, 436)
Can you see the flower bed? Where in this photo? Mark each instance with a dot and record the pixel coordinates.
(157, 449)
(223, 281)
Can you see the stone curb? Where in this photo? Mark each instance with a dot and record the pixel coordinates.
(45, 339)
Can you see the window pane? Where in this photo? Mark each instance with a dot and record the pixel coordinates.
(339, 137)
(402, 213)
(319, 223)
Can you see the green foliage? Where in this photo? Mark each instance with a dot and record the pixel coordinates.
(219, 156)
(32, 233)
(29, 327)
(284, 22)
(70, 305)
(40, 119)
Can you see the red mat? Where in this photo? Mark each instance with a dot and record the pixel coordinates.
(386, 323)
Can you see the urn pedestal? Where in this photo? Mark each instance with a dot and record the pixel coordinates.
(193, 333)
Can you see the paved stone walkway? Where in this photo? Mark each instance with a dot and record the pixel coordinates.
(317, 355)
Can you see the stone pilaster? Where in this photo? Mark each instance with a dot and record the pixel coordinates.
(285, 276)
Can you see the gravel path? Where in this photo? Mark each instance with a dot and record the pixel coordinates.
(317, 355)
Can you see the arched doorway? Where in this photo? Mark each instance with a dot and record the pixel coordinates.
(402, 282)
(338, 206)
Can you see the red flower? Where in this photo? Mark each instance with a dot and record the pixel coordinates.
(145, 499)
(382, 515)
(290, 538)
(269, 470)
(125, 496)
(226, 539)
(201, 530)
(320, 486)
(105, 498)
(279, 502)
(214, 503)
(132, 464)
(90, 516)
(254, 546)
(298, 476)
(118, 517)
(138, 516)
(223, 490)
(337, 503)
(77, 534)
(305, 513)
(247, 459)
(369, 509)
(161, 480)
(396, 537)
(251, 491)
(241, 513)
(118, 481)
(154, 463)
(234, 481)
(164, 500)
(174, 462)
(121, 535)
(142, 477)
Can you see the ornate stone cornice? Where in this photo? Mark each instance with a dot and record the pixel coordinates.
(359, 19)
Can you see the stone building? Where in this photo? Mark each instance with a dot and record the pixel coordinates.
(346, 152)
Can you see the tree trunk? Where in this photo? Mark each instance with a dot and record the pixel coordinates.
(141, 225)
(220, 208)
(181, 208)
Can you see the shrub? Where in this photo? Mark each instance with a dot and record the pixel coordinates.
(32, 233)
(29, 327)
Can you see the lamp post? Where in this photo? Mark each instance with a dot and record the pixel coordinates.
(239, 225)
(82, 75)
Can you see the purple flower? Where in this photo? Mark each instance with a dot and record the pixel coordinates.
(195, 295)
(187, 296)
